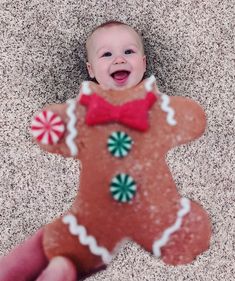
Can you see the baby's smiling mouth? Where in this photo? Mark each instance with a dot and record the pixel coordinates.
(120, 76)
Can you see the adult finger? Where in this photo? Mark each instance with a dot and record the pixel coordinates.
(24, 262)
(59, 269)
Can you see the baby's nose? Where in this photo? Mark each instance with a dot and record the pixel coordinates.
(119, 59)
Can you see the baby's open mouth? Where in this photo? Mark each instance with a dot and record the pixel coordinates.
(120, 76)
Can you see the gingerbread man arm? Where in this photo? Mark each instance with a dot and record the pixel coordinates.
(189, 120)
(54, 129)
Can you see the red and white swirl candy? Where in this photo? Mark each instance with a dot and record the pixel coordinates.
(47, 127)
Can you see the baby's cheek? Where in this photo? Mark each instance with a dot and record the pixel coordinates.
(102, 75)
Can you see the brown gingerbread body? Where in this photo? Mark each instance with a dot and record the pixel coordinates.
(153, 214)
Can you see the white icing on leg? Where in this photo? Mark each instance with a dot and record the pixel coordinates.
(185, 203)
(149, 83)
(165, 106)
(86, 240)
(71, 127)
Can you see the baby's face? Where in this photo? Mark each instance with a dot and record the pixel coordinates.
(116, 57)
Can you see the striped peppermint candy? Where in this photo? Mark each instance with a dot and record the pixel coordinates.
(47, 127)
(119, 144)
(123, 188)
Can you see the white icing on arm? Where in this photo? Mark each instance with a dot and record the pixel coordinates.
(71, 127)
(85, 88)
(165, 101)
(165, 106)
(185, 203)
(149, 83)
(86, 240)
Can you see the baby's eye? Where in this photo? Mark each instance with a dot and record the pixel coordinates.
(107, 54)
(129, 51)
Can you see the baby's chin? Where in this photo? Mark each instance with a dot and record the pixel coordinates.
(118, 87)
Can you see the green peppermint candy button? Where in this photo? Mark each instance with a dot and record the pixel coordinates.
(123, 188)
(119, 144)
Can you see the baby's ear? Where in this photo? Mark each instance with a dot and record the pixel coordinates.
(145, 63)
(89, 69)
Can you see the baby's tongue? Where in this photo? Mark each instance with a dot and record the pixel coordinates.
(120, 75)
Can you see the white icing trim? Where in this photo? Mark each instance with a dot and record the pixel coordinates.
(149, 83)
(85, 88)
(185, 203)
(86, 240)
(165, 106)
(71, 127)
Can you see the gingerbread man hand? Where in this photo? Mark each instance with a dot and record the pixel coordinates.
(126, 189)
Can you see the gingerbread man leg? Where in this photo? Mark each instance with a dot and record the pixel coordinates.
(55, 244)
(83, 240)
(184, 239)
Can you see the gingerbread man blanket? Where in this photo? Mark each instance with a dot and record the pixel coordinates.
(126, 189)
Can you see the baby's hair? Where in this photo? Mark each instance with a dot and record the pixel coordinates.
(110, 23)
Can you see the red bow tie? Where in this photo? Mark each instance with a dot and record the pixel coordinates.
(133, 114)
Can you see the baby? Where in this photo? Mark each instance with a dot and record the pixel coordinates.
(116, 56)
(116, 61)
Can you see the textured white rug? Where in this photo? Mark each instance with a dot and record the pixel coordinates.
(190, 48)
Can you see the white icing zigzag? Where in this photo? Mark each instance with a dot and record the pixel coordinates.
(85, 88)
(165, 103)
(185, 203)
(71, 127)
(86, 240)
(149, 82)
(165, 106)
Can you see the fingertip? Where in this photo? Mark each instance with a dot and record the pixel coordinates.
(59, 269)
